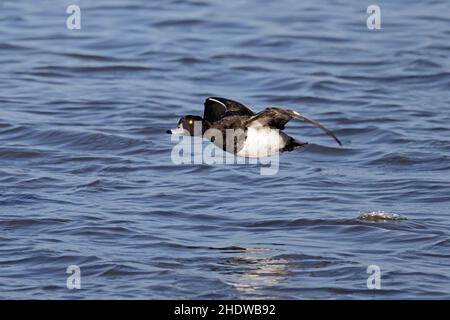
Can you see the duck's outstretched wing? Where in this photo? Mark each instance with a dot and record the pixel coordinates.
(277, 118)
(216, 108)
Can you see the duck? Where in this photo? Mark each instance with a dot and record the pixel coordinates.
(237, 129)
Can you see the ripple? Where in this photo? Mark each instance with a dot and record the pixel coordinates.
(94, 69)
(178, 22)
(80, 140)
(377, 216)
(16, 153)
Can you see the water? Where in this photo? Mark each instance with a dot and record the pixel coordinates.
(86, 177)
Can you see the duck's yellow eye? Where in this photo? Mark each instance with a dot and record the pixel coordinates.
(190, 121)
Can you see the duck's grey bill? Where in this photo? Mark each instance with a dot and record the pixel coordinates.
(175, 131)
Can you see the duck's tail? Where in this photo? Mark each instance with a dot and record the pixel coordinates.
(293, 144)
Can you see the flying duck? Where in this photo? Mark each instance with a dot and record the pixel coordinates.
(249, 134)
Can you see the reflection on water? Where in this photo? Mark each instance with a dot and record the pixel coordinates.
(250, 272)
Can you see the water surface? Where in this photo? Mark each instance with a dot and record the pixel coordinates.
(86, 176)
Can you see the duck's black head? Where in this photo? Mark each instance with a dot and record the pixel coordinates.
(190, 125)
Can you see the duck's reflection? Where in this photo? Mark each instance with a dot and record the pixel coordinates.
(252, 270)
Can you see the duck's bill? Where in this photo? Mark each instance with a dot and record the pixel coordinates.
(178, 130)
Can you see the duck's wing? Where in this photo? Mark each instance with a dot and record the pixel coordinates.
(277, 118)
(216, 108)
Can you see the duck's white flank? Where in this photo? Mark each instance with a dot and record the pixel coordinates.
(263, 142)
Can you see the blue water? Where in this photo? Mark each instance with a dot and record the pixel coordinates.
(86, 176)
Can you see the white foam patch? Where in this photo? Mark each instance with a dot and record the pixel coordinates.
(380, 216)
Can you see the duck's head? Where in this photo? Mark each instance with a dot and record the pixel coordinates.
(191, 126)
